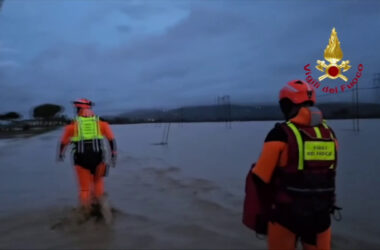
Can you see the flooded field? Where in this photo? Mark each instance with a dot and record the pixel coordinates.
(187, 194)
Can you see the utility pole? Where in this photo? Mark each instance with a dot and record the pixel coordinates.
(219, 108)
(355, 109)
(181, 117)
(165, 135)
(376, 85)
(228, 110)
(224, 109)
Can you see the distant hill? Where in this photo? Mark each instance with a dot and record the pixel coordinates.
(348, 110)
(236, 112)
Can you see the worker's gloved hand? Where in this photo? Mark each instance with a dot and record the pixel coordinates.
(61, 153)
(113, 159)
(61, 157)
(335, 211)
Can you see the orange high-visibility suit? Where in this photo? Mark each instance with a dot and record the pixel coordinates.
(90, 167)
(275, 154)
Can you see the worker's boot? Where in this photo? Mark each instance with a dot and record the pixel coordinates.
(84, 214)
(105, 209)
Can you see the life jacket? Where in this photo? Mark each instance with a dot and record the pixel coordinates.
(87, 135)
(307, 183)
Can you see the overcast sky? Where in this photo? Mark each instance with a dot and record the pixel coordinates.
(142, 54)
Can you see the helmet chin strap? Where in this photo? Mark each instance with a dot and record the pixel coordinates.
(293, 111)
(290, 109)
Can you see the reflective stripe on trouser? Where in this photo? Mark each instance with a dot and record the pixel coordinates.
(90, 184)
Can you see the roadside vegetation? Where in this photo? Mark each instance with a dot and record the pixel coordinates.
(46, 117)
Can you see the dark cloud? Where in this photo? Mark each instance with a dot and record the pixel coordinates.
(140, 11)
(247, 50)
(123, 28)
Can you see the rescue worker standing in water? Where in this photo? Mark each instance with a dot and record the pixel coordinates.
(297, 169)
(86, 133)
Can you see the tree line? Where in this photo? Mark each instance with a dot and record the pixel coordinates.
(41, 112)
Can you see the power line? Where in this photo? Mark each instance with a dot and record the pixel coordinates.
(355, 100)
(355, 95)
(348, 91)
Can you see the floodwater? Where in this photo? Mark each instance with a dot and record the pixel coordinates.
(184, 195)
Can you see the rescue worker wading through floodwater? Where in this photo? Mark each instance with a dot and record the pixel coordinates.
(290, 191)
(86, 133)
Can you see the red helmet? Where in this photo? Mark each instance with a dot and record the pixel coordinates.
(83, 103)
(298, 91)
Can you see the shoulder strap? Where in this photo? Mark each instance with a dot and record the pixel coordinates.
(299, 139)
(328, 128)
